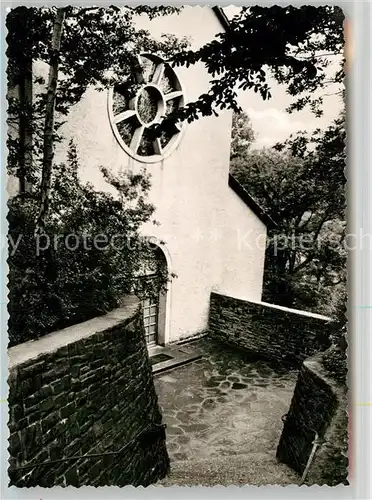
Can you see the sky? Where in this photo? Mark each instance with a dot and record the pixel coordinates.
(271, 122)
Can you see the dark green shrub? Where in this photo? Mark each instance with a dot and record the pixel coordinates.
(54, 287)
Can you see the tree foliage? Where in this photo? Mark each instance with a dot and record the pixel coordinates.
(293, 46)
(90, 255)
(301, 185)
(83, 46)
(242, 135)
(99, 47)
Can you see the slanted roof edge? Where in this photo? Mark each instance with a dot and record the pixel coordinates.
(222, 17)
(251, 203)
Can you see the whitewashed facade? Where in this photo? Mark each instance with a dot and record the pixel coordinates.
(213, 240)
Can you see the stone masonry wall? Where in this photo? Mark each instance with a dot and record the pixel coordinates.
(319, 404)
(86, 391)
(268, 331)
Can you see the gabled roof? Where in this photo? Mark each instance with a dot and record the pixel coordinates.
(251, 203)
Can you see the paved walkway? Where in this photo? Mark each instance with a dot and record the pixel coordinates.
(223, 416)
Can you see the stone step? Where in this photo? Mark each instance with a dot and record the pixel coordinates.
(171, 358)
(249, 469)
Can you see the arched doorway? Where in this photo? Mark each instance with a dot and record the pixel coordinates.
(155, 301)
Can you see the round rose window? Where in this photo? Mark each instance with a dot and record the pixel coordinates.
(157, 93)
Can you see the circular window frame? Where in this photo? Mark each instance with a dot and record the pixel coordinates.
(176, 138)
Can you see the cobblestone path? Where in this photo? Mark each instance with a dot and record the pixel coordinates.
(222, 411)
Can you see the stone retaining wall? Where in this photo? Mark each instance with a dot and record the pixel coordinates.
(268, 331)
(319, 404)
(86, 390)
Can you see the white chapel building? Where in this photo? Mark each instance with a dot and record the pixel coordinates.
(211, 232)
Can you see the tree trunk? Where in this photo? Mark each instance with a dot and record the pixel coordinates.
(48, 146)
(25, 127)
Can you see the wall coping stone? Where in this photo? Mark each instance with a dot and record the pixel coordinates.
(299, 312)
(331, 424)
(51, 342)
(315, 365)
